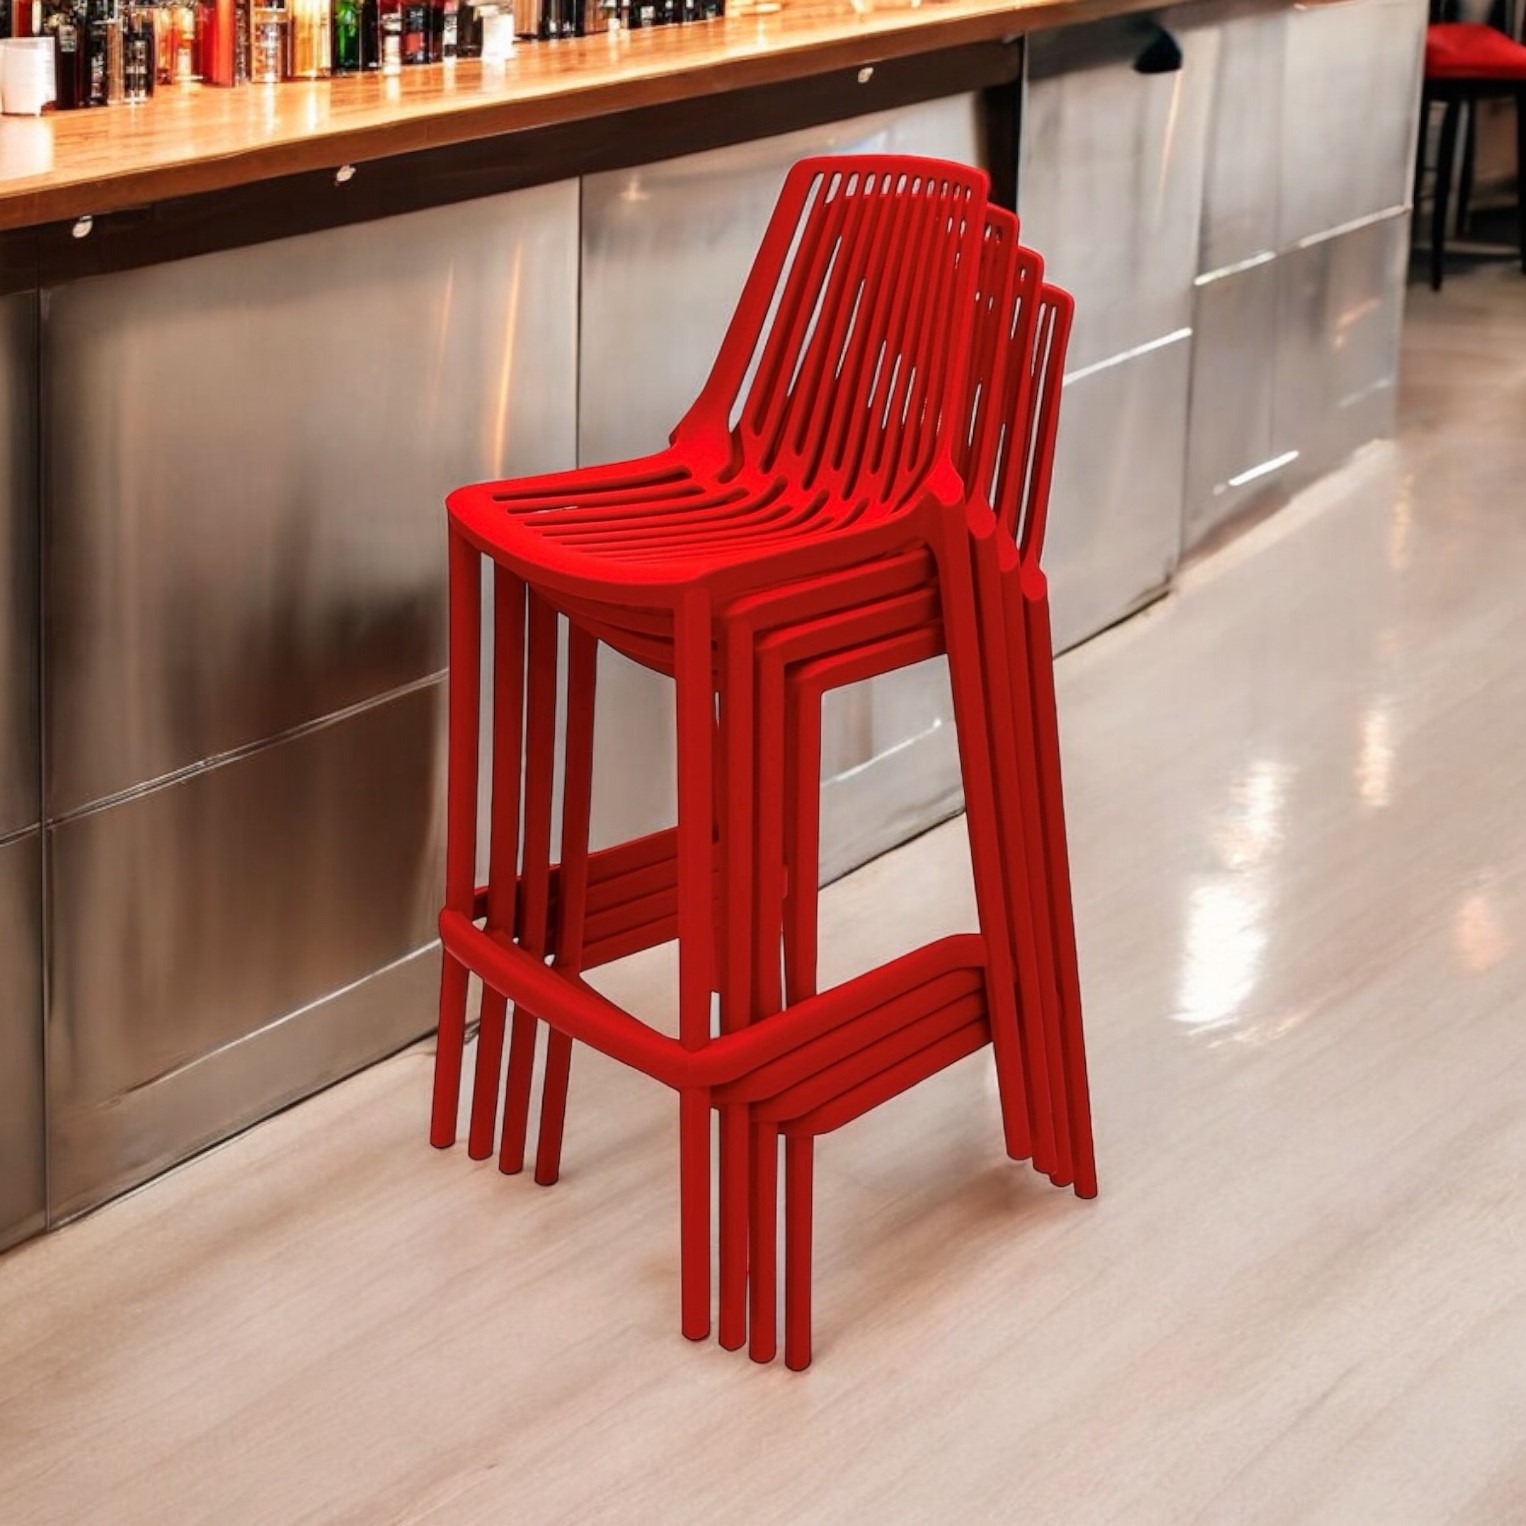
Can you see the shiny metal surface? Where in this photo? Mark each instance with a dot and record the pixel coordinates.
(1115, 520)
(1244, 137)
(19, 736)
(1339, 312)
(665, 250)
(1231, 452)
(1110, 184)
(22, 1146)
(197, 929)
(247, 455)
(1353, 87)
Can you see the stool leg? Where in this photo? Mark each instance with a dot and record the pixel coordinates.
(540, 763)
(1425, 119)
(1444, 168)
(461, 825)
(1015, 819)
(503, 849)
(1040, 646)
(695, 705)
(1469, 166)
(577, 802)
(798, 1174)
(1520, 169)
(802, 785)
(737, 723)
(764, 1261)
(970, 699)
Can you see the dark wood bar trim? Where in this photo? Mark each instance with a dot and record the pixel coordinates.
(305, 203)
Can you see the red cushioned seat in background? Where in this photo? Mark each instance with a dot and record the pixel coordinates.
(1472, 51)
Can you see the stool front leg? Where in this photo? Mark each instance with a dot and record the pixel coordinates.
(735, 965)
(799, 1172)
(1017, 1090)
(763, 1284)
(503, 846)
(572, 908)
(695, 726)
(465, 598)
(540, 762)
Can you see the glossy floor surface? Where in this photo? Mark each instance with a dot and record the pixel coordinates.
(1296, 794)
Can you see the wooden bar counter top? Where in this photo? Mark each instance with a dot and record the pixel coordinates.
(193, 139)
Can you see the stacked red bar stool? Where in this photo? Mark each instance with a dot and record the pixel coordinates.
(809, 524)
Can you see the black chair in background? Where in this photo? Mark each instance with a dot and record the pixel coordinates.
(1465, 63)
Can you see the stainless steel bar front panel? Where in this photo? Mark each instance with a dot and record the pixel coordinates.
(1340, 308)
(1300, 295)
(22, 1146)
(1111, 180)
(1240, 187)
(1111, 192)
(1118, 488)
(665, 251)
(195, 917)
(1353, 83)
(248, 454)
(19, 735)
(22, 1143)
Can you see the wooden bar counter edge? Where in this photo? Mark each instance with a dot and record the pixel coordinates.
(192, 139)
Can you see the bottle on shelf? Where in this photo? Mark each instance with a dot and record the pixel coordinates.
(242, 39)
(390, 35)
(415, 30)
(217, 48)
(187, 67)
(70, 83)
(103, 53)
(346, 39)
(311, 39)
(468, 29)
(269, 42)
(370, 34)
(139, 62)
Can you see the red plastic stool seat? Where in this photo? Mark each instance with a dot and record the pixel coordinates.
(1467, 50)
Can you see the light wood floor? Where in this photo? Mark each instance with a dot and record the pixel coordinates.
(1296, 794)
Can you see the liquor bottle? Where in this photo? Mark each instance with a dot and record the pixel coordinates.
(468, 30)
(139, 65)
(346, 43)
(70, 85)
(187, 67)
(218, 44)
(390, 30)
(415, 29)
(270, 43)
(370, 35)
(311, 38)
(241, 41)
(100, 25)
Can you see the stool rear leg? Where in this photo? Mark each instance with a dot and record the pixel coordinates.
(540, 760)
(577, 802)
(503, 848)
(461, 825)
(799, 1171)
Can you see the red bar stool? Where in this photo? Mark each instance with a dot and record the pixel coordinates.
(851, 344)
(1466, 62)
(824, 1086)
